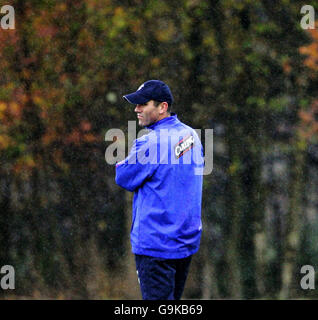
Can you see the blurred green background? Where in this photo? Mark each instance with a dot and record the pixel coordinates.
(244, 68)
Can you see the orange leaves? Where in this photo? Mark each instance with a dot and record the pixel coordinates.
(8, 39)
(309, 118)
(311, 51)
(3, 107)
(287, 67)
(77, 137)
(5, 141)
(166, 32)
(306, 117)
(10, 112)
(86, 40)
(81, 134)
(43, 26)
(14, 110)
(46, 31)
(74, 137)
(309, 122)
(85, 126)
(155, 62)
(52, 134)
(136, 27)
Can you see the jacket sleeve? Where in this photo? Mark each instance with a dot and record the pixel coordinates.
(139, 166)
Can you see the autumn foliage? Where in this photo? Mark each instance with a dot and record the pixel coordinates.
(243, 68)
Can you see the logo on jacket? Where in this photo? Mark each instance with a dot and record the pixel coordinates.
(183, 146)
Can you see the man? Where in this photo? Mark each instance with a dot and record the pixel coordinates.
(164, 170)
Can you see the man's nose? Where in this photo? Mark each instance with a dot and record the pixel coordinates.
(137, 109)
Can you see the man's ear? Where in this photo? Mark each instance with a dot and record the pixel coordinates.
(163, 107)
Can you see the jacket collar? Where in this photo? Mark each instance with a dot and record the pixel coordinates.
(164, 122)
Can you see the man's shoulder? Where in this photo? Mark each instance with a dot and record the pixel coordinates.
(182, 129)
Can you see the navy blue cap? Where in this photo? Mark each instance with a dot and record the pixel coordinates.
(150, 90)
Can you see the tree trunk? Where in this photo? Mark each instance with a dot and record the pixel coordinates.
(131, 285)
(233, 211)
(293, 224)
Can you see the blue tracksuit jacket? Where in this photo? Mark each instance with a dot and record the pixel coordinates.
(164, 169)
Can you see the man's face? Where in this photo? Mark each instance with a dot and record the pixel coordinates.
(147, 113)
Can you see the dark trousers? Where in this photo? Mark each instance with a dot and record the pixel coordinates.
(162, 279)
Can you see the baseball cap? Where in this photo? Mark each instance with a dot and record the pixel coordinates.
(150, 90)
